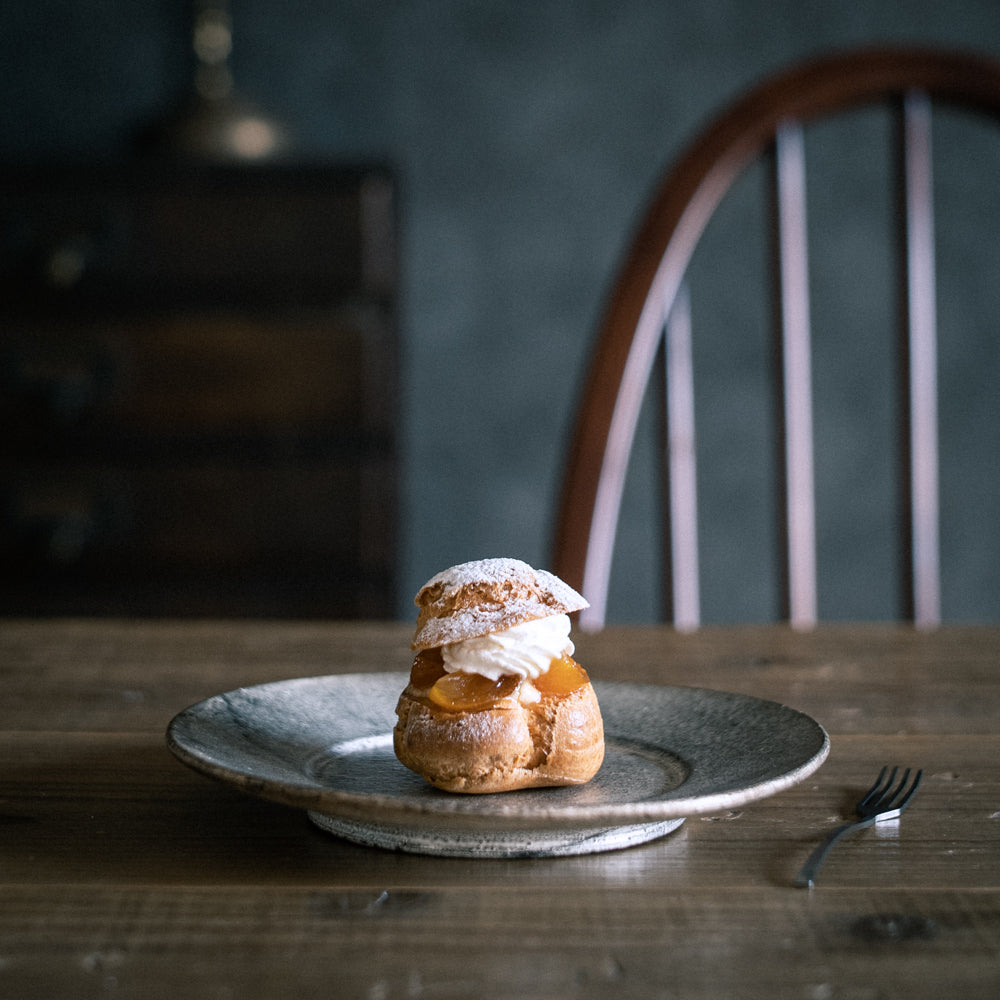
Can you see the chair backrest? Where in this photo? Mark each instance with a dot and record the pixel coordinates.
(649, 313)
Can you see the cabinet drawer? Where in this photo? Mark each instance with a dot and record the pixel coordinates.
(168, 239)
(133, 534)
(162, 380)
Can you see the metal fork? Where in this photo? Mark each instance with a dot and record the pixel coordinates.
(883, 801)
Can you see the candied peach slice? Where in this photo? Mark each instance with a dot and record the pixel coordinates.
(461, 692)
(564, 676)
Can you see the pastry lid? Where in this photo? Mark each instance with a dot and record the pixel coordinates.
(485, 596)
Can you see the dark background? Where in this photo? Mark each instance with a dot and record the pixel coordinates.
(527, 137)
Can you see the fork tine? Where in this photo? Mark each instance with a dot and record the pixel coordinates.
(878, 790)
(891, 797)
(909, 795)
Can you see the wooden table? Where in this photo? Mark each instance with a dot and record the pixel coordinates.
(123, 873)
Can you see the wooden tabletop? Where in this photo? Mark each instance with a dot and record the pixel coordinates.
(124, 873)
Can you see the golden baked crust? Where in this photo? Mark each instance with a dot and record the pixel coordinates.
(554, 740)
(476, 598)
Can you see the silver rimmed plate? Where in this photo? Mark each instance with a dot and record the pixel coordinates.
(324, 744)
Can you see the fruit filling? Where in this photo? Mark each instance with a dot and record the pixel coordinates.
(563, 677)
(464, 692)
(460, 692)
(428, 666)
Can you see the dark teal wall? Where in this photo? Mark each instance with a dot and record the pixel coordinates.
(528, 135)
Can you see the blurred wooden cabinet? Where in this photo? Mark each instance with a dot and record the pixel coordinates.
(198, 391)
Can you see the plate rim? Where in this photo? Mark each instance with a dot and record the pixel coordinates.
(455, 811)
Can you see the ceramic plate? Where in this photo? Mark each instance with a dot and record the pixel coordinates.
(324, 744)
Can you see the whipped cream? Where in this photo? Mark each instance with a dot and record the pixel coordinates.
(526, 650)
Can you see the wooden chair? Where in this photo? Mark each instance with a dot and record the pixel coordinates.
(649, 313)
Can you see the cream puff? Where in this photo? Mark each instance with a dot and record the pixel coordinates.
(495, 700)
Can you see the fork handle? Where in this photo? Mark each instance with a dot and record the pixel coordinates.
(807, 876)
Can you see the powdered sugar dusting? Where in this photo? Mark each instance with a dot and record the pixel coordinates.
(502, 572)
